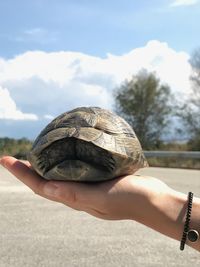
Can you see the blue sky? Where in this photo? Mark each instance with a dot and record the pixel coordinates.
(96, 27)
(57, 55)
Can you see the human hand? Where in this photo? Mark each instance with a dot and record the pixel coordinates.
(126, 197)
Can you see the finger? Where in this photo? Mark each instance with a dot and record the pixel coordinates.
(27, 163)
(30, 178)
(80, 196)
(22, 171)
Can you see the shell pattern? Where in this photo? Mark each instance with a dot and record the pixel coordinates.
(86, 144)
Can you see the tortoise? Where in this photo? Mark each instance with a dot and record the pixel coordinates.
(86, 144)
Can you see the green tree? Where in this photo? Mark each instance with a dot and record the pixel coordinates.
(190, 111)
(144, 103)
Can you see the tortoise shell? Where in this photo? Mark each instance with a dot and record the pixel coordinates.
(86, 144)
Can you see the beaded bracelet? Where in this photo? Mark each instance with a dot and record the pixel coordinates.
(191, 234)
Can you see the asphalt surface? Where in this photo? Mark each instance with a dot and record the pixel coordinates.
(35, 232)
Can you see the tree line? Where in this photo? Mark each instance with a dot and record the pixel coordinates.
(15, 147)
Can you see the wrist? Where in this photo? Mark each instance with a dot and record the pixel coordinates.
(162, 209)
(150, 197)
(166, 211)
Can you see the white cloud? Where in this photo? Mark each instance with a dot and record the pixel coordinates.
(177, 3)
(8, 109)
(63, 69)
(47, 84)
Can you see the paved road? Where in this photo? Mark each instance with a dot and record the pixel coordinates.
(35, 232)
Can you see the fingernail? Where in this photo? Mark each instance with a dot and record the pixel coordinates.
(50, 189)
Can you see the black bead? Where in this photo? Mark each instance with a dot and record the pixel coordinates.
(193, 235)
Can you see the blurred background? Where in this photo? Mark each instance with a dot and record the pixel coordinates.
(139, 59)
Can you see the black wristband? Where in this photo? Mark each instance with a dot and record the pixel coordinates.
(187, 221)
